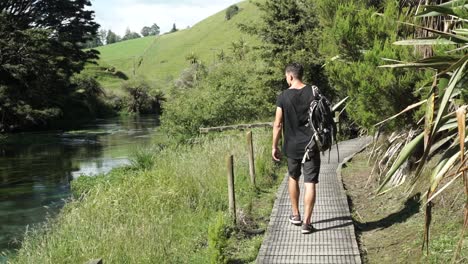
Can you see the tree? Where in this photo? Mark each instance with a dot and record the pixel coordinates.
(231, 11)
(145, 31)
(240, 49)
(111, 37)
(130, 35)
(150, 31)
(289, 32)
(103, 36)
(357, 39)
(174, 29)
(154, 30)
(98, 41)
(41, 47)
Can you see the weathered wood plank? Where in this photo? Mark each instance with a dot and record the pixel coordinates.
(234, 127)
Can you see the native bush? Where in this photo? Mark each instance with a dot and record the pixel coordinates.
(217, 239)
(230, 93)
(142, 98)
(358, 40)
(231, 11)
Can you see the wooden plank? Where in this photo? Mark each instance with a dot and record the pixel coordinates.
(234, 127)
(94, 261)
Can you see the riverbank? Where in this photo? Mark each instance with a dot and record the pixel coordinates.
(168, 207)
(390, 227)
(36, 167)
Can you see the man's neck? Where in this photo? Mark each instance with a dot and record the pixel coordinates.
(297, 85)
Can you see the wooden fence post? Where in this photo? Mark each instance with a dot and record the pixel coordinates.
(231, 190)
(251, 157)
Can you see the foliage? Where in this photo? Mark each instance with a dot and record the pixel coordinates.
(191, 76)
(445, 111)
(231, 11)
(144, 159)
(174, 28)
(355, 44)
(230, 93)
(130, 35)
(289, 32)
(240, 49)
(142, 98)
(89, 99)
(150, 31)
(217, 239)
(39, 54)
(111, 37)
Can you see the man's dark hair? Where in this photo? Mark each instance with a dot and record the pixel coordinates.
(296, 69)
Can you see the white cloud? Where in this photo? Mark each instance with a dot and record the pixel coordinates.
(135, 14)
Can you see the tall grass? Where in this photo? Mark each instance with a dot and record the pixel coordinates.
(160, 215)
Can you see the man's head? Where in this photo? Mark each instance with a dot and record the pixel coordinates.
(294, 71)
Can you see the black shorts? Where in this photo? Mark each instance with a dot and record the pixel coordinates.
(310, 169)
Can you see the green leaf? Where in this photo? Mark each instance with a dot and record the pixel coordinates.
(337, 105)
(429, 119)
(430, 11)
(461, 31)
(453, 37)
(447, 95)
(441, 169)
(416, 65)
(405, 153)
(454, 3)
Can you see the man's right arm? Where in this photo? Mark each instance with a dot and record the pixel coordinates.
(277, 125)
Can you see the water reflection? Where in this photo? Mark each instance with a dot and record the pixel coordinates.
(36, 168)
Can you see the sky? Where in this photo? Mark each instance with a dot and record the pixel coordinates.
(118, 15)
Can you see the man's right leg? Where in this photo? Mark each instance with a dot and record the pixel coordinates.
(294, 192)
(311, 171)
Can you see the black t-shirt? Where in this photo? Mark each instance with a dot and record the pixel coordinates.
(295, 105)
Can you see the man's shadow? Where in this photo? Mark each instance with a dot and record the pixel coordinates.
(411, 207)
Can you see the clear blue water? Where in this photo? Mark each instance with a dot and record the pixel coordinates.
(36, 168)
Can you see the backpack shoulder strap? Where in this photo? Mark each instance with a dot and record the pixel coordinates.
(315, 91)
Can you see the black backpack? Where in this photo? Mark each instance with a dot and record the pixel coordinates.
(322, 124)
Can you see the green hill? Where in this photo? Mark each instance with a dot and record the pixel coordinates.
(163, 58)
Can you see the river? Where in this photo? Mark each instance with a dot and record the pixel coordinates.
(36, 168)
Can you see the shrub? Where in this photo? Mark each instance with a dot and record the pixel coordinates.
(358, 40)
(229, 94)
(142, 99)
(217, 239)
(231, 11)
(144, 158)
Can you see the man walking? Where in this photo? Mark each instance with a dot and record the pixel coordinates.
(292, 116)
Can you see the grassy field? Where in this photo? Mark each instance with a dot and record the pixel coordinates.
(390, 227)
(160, 59)
(169, 207)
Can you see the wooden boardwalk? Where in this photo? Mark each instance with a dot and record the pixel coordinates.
(335, 240)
